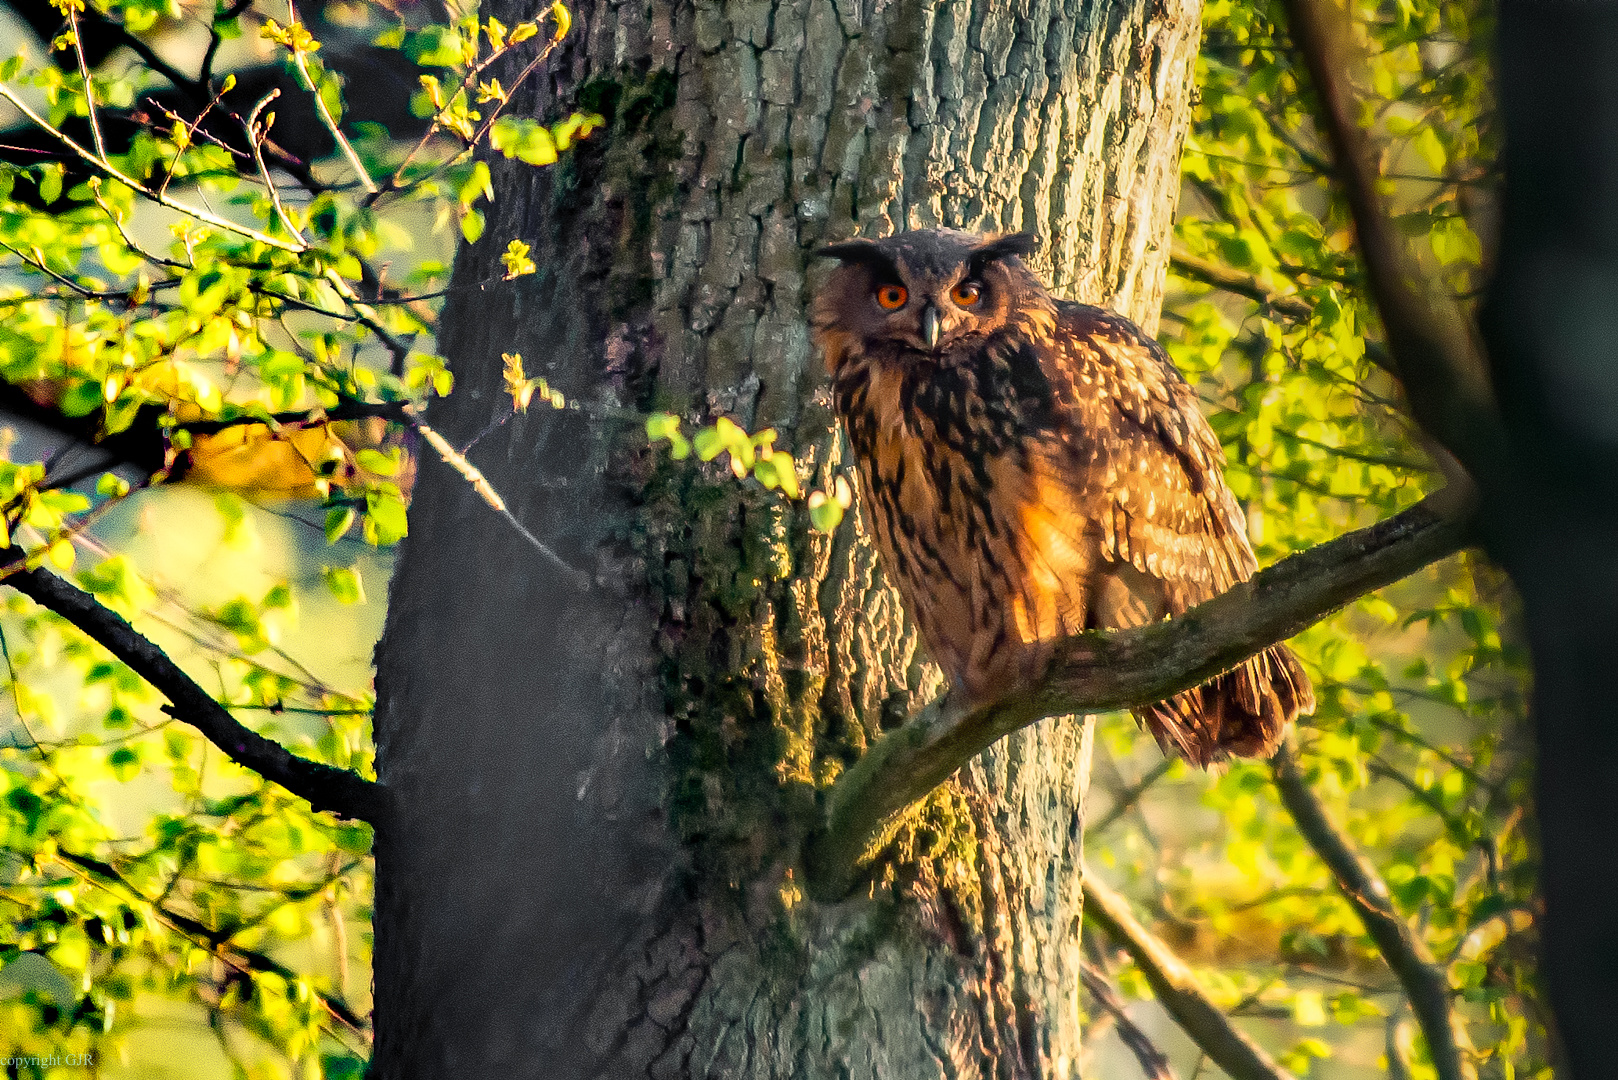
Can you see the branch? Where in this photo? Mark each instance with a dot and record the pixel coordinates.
(1153, 1062)
(1196, 268)
(326, 117)
(1098, 671)
(1176, 989)
(325, 787)
(162, 199)
(213, 941)
(1131, 795)
(1434, 349)
(1425, 982)
(144, 445)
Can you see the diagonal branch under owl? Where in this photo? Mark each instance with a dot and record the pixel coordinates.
(1035, 470)
(1096, 671)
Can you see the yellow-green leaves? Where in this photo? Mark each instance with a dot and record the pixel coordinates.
(747, 455)
(295, 38)
(522, 389)
(535, 143)
(562, 18)
(516, 261)
(344, 583)
(526, 140)
(826, 507)
(663, 426)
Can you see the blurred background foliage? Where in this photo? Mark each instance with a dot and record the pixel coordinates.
(230, 286)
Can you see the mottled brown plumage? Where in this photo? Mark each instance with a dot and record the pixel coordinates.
(1035, 467)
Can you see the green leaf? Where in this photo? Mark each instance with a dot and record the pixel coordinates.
(385, 518)
(345, 584)
(50, 184)
(339, 519)
(124, 763)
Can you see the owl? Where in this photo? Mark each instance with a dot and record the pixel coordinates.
(1034, 467)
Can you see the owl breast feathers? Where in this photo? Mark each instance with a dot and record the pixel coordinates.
(1032, 468)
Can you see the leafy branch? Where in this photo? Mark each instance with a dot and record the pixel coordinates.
(325, 787)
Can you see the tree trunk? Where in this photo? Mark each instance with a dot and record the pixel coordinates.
(1554, 522)
(601, 793)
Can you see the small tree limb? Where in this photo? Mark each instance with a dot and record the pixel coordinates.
(1196, 268)
(1425, 983)
(1097, 671)
(1176, 989)
(325, 787)
(1154, 1063)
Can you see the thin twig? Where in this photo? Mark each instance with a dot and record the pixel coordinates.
(84, 73)
(325, 113)
(255, 139)
(191, 127)
(242, 959)
(485, 490)
(215, 39)
(1196, 268)
(1131, 795)
(1426, 984)
(129, 242)
(394, 181)
(162, 199)
(1154, 1063)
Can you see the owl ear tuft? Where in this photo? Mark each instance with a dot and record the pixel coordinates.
(1004, 247)
(858, 251)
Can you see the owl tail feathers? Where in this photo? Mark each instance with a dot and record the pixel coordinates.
(1244, 712)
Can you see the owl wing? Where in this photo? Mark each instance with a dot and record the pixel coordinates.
(1128, 476)
(1141, 462)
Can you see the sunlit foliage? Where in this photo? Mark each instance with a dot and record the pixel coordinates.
(245, 321)
(179, 285)
(1418, 748)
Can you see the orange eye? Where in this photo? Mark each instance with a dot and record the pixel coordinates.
(892, 297)
(966, 293)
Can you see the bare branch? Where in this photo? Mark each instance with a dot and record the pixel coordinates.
(1176, 989)
(1130, 796)
(1434, 349)
(84, 73)
(485, 491)
(216, 39)
(1098, 671)
(256, 135)
(326, 787)
(1153, 1062)
(1424, 981)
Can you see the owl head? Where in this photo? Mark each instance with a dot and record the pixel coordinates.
(924, 293)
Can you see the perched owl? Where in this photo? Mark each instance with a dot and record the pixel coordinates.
(1035, 467)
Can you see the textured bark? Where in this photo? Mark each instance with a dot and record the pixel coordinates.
(601, 795)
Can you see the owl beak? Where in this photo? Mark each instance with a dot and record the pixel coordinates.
(929, 326)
